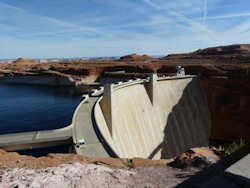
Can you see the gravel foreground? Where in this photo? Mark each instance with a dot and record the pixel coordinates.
(78, 175)
(189, 170)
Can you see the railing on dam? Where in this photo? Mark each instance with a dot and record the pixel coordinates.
(154, 118)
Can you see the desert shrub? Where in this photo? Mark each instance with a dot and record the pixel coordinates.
(231, 152)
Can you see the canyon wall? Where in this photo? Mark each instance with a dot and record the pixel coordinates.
(229, 101)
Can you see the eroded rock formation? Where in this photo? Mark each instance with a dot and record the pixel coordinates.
(134, 57)
(22, 61)
(225, 50)
(229, 101)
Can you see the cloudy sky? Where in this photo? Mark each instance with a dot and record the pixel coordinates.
(77, 28)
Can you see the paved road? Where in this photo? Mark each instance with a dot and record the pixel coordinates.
(84, 131)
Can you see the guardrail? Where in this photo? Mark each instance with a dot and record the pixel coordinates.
(85, 99)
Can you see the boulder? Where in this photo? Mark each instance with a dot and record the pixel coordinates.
(195, 157)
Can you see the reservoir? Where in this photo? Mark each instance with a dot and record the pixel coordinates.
(30, 108)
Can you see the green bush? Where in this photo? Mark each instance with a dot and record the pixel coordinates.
(231, 152)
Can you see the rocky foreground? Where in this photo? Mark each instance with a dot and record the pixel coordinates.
(85, 176)
(193, 168)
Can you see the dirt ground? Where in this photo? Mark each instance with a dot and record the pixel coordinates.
(89, 175)
(191, 169)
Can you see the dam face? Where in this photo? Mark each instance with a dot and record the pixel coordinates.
(160, 118)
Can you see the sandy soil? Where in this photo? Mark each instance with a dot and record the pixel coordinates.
(70, 170)
(78, 175)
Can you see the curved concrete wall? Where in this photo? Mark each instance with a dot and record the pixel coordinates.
(154, 120)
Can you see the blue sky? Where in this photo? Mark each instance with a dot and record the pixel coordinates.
(77, 28)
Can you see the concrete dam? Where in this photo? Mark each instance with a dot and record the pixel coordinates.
(150, 118)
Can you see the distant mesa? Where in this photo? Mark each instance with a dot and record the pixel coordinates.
(236, 49)
(224, 50)
(22, 61)
(135, 57)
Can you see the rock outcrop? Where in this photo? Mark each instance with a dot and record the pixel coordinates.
(15, 160)
(196, 157)
(238, 53)
(22, 61)
(225, 50)
(229, 102)
(134, 57)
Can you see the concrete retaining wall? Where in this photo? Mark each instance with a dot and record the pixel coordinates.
(154, 120)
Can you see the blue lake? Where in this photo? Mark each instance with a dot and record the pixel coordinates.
(30, 108)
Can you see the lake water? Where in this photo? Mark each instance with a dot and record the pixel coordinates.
(31, 108)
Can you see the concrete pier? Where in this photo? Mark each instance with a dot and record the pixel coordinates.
(153, 88)
(107, 105)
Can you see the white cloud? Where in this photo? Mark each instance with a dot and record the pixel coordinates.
(194, 25)
(205, 12)
(36, 25)
(185, 7)
(226, 16)
(240, 28)
(154, 27)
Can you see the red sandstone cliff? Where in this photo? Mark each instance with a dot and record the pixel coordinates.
(225, 50)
